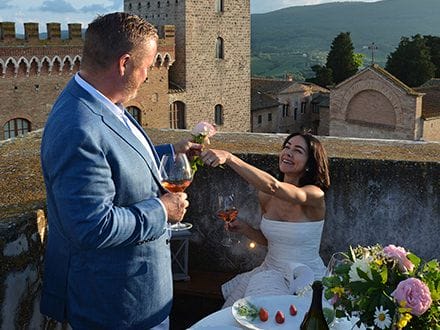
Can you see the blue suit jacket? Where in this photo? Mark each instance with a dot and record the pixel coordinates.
(107, 262)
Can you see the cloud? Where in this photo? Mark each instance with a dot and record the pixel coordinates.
(99, 8)
(57, 6)
(4, 4)
(94, 8)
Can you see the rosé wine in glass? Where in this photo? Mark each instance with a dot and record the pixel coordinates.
(177, 175)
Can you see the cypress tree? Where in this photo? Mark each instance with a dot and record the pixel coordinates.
(341, 59)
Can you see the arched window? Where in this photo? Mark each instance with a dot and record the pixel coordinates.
(34, 67)
(218, 115)
(15, 127)
(22, 68)
(219, 48)
(219, 6)
(177, 115)
(136, 113)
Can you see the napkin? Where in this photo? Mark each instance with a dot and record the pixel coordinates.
(290, 279)
(299, 276)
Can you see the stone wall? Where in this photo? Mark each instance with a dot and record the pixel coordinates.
(431, 129)
(382, 192)
(370, 201)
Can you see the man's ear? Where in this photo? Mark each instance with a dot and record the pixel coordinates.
(122, 63)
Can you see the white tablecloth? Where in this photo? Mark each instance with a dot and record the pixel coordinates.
(223, 319)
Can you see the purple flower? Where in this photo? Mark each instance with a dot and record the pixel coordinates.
(399, 254)
(414, 294)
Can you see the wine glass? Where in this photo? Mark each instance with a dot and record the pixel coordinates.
(177, 175)
(336, 260)
(227, 211)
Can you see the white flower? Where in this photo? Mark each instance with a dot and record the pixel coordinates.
(205, 129)
(363, 265)
(382, 319)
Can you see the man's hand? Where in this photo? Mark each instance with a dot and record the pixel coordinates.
(188, 147)
(175, 204)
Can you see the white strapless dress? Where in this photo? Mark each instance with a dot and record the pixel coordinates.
(292, 262)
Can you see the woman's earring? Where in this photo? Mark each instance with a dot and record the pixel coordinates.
(307, 169)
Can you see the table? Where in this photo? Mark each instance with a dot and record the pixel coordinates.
(223, 319)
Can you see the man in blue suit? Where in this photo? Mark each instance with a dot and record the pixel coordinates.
(107, 263)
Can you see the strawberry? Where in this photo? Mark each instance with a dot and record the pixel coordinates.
(264, 314)
(279, 318)
(293, 310)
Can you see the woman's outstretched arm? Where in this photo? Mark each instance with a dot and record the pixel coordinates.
(263, 181)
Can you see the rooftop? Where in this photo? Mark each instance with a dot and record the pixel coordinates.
(22, 185)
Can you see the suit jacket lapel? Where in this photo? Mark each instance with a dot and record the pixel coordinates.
(118, 127)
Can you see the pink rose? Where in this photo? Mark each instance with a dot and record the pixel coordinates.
(205, 129)
(415, 294)
(399, 254)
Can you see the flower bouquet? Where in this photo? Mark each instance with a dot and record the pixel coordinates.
(386, 288)
(201, 134)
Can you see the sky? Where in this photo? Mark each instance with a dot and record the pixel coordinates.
(84, 11)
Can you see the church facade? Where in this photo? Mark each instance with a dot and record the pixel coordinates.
(375, 104)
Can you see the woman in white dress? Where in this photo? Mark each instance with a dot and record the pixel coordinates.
(293, 211)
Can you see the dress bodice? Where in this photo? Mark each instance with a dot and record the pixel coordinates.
(297, 242)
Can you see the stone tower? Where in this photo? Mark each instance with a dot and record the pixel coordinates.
(210, 78)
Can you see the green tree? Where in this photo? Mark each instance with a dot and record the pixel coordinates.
(433, 44)
(411, 61)
(323, 76)
(341, 58)
(359, 59)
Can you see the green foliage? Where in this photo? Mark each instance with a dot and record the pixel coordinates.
(358, 59)
(323, 76)
(433, 43)
(341, 58)
(378, 275)
(411, 61)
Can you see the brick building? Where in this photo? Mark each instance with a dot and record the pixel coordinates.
(210, 78)
(33, 72)
(375, 104)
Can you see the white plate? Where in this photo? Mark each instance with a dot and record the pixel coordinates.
(273, 304)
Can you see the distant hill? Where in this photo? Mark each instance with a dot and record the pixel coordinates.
(295, 38)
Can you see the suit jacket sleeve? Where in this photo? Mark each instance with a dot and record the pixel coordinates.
(103, 194)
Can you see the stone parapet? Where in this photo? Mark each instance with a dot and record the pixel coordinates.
(383, 191)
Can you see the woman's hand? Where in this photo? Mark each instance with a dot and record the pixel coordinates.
(213, 157)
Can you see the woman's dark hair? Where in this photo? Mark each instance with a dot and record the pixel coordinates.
(317, 164)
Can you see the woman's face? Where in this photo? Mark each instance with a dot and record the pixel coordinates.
(293, 158)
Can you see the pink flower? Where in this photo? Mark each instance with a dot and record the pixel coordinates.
(399, 254)
(205, 129)
(414, 294)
